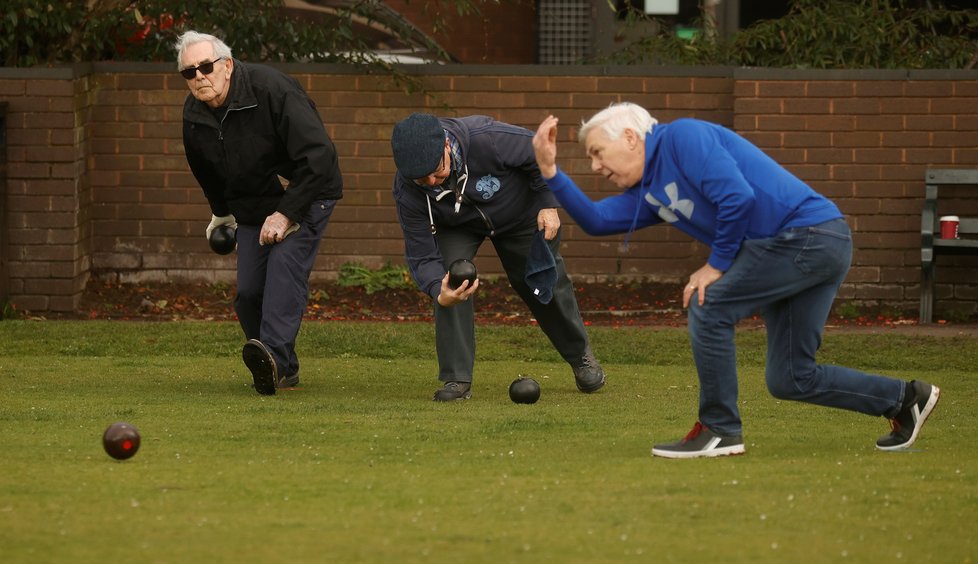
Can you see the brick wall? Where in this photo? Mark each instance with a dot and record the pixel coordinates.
(98, 184)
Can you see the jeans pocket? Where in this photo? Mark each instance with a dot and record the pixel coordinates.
(825, 252)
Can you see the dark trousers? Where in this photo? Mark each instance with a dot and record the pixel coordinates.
(560, 319)
(273, 284)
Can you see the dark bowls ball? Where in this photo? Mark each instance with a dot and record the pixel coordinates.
(223, 239)
(460, 271)
(120, 440)
(524, 390)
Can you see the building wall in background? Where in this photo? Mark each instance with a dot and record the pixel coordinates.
(98, 185)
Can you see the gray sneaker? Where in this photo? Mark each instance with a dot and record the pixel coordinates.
(288, 381)
(453, 391)
(588, 374)
(701, 442)
(259, 361)
(916, 408)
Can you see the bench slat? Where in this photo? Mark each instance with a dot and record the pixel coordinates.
(961, 243)
(952, 176)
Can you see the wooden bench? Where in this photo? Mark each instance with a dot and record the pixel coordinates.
(930, 245)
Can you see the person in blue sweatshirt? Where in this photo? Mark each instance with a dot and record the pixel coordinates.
(461, 181)
(776, 246)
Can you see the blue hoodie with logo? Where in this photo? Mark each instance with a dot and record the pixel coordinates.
(708, 182)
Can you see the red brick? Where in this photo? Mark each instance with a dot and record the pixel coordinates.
(931, 88)
(856, 106)
(954, 105)
(807, 106)
(901, 106)
(779, 89)
(830, 155)
(856, 139)
(830, 89)
(780, 123)
(884, 156)
(807, 139)
(878, 88)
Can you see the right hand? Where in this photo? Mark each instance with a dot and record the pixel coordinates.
(449, 297)
(545, 147)
(219, 221)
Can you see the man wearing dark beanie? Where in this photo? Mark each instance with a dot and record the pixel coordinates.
(460, 181)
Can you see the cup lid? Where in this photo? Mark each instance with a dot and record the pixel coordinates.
(949, 218)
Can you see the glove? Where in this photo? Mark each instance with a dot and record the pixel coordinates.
(218, 221)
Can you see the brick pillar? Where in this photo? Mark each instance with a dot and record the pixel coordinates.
(48, 234)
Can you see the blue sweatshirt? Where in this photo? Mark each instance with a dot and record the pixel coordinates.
(708, 182)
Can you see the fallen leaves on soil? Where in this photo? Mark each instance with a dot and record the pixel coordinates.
(640, 303)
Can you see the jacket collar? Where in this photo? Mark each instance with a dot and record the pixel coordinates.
(241, 95)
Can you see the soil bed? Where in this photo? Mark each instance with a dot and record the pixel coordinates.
(602, 304)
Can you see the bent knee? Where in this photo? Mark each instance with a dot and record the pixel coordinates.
(787, 386)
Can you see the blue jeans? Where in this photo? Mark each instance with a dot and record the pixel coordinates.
(792, 279)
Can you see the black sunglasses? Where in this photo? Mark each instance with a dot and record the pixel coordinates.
(205, 69)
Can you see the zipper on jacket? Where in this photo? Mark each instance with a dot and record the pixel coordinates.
(220, 129)
(485, 218)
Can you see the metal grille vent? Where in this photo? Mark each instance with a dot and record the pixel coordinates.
(565, 31)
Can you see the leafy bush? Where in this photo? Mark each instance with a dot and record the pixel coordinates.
(389, 276)
(825, 34)
(33, 32)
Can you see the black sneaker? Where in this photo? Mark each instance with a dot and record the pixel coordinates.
(588, 374)
(906, 425)
(259, 360)
(288, 381)
(454, 391)
(701, 442)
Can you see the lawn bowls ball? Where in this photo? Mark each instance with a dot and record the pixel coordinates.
(524, 390)
(222, 239)
(460, 271)
(120, 440)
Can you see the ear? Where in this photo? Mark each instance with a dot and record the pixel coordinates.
(631, 138)
(230, 66)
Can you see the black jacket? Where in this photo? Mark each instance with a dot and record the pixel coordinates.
(271, 129)
(503, 191)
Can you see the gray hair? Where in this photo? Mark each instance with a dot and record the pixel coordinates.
(616, 118)
(189, 38)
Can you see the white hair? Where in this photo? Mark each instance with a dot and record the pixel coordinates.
(189, 38)
(616, 118)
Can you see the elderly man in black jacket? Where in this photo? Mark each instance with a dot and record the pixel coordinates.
(459, 182)
(258, 148)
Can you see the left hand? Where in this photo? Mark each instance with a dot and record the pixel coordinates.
(699, 281)
(276, 228)
(447, 297)
(549, 221)
(545, 147)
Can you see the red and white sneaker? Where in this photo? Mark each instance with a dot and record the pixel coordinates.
(701, 442)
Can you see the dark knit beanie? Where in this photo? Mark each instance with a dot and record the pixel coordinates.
(418, 144)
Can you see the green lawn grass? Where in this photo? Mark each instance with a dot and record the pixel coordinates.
(360, 466)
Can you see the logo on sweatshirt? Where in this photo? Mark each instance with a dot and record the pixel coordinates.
(487, 186)
(676, 205)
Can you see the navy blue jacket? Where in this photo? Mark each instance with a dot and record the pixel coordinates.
(503, 191)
